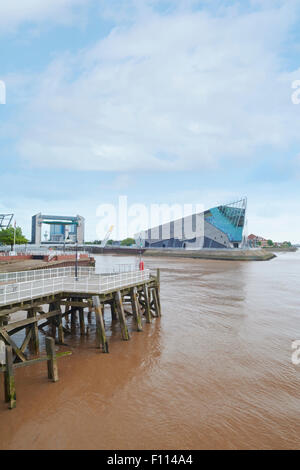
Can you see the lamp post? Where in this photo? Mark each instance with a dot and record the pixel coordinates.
(76, 260)
(66, 240)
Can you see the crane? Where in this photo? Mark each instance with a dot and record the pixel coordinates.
(105, 240)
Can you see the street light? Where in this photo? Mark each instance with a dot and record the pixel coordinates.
(66, 240)
(76, 260)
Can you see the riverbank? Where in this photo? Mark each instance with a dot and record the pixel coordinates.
(222, 255)
(281, 249)
(31, 264)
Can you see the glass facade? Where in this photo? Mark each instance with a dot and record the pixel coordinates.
(229, 218)
(219, 227)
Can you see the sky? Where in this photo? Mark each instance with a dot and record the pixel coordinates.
(165, 102)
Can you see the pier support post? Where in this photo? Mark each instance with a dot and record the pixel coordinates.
(147, 304)
(89, 316)
(113, 308)
(34, 343)
(73, 318)
(100, 328)
(52, 321)
(120, 308)
(136, 309)
(60, 328)
(51, 362)
(81, 321)
(9, 379)
(156, 302)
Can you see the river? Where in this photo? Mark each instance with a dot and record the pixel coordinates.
(214, 372)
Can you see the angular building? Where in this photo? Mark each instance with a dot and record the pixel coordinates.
(57, 229)
(219, 227)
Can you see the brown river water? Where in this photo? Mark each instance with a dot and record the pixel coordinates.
(214, 372)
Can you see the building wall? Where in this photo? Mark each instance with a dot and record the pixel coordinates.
(57, 231)
(219, 227)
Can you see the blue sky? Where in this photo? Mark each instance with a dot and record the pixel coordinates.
(165, 102)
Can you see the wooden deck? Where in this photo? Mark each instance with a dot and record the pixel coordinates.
(55, 298)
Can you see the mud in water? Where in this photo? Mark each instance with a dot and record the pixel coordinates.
(214, 372)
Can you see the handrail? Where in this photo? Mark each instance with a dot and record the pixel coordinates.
(37, 274)
(21, 291)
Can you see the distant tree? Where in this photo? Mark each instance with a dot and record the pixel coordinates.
(128, 242)
(270, 242)
(110, 242)
(7, 236)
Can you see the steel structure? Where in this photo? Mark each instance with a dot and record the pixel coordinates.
(62, 229)
(5, 220)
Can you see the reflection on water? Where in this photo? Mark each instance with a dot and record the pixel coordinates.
(214, 372)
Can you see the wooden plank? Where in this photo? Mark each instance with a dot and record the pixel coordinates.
(75, 304)
(34, 344)
(31, 362)
(28, 321)
(51, 362)
(9, 379)
(136, 309)
(113, 307)
(8, 340)
(60, 330)
(121, 314)
(147, 304)
(81, 321)
(100, 327)
(156, 304)
(26, 341)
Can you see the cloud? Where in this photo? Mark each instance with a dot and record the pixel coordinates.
(14, 13)
(170, 91)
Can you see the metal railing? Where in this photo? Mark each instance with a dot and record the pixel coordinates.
(95, 283)
(39, 274)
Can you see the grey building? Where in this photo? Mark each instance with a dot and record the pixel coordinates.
(219, 227)
(57, 229)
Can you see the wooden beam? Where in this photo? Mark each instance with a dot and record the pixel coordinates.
(100, 328)
(11, 343)
(9, 379)
(75, 304)
(51, 362)
(114, 315)
(147, 304)
(34, 344)
(20, 365)
(26, 341)
(28, 321)
(155, 300)
(81, 321)
(121, 314)
(136, 309)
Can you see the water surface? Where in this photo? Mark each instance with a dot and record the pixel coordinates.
(214, 372)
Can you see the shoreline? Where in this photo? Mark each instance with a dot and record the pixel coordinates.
(221, 255)
(33, 264)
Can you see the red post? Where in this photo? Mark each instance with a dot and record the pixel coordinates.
(142, 266)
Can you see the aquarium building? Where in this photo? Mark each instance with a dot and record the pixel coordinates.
(219, 227)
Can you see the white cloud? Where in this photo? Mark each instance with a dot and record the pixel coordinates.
(16, 12)
(169, 92)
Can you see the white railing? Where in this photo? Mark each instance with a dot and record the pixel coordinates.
(39, 274)
(6, 251)
(98, 284)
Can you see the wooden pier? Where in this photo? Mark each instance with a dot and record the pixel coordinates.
(55, 298)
